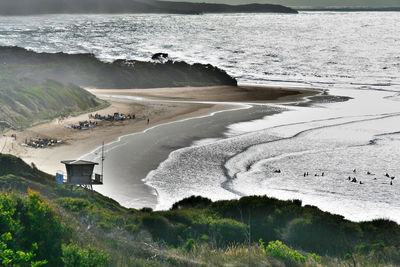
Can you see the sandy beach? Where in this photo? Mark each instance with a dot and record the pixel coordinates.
(76, 143)
(161, 106)
(254, 94)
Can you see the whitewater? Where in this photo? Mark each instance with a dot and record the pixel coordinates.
(349, 54)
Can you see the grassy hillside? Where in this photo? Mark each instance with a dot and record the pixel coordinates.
(25, 101)
(87, 71)
(87, 229)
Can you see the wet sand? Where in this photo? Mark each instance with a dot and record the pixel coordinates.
(129, 160)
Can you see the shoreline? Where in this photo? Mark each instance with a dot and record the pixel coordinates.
(138, 169)
(162, 112)
(77, 143)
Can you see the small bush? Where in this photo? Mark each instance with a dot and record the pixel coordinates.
(189, 245)
(132, 228)
(73, 255)
(73, 204)
(204, 238)
(31, 220)
(316, 258)
(160, 228)
(196, 202)
(229, 231)
(146, 210)
(9, 257)
(277, 249)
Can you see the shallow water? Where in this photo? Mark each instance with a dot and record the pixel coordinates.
(332, 138)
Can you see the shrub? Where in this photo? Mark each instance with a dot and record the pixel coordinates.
(323, 235)
(277, 249)
(73, 255)
(132, 228)
(32, 220)
(316, 258)
(192, 202)
(9, 257)
(73, 204)
(189, 245)
(146, 210)
(160, 228)
(204, 238)
(229, 231)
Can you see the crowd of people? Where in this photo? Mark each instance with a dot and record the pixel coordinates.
(83, 125)
(116, 117)
(42, 142)
(351, 179)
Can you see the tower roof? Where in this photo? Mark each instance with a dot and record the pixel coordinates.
(78, 162)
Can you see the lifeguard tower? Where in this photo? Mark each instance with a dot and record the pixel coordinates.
(80, 172)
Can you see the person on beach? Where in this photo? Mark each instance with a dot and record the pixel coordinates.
(148, 121)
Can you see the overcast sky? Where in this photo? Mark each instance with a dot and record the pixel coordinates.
(319, 3)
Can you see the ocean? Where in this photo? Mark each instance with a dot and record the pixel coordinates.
(310, 48)
(350, 54)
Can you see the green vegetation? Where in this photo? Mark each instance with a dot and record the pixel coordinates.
(24, 102)
(277, 249)
(47, 224)
(73, 255)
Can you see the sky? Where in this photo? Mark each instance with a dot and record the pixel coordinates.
(315, 3)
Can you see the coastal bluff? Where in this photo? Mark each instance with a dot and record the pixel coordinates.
(86, 70)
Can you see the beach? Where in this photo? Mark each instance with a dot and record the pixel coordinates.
(161, 106)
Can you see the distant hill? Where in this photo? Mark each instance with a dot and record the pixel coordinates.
(351, 9)
(297, 4)
(29, 7)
